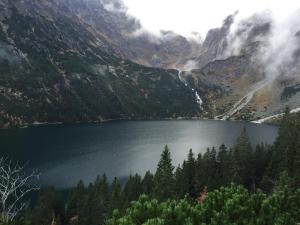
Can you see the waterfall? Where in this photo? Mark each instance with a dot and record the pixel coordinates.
(198, 99)
(197, 96)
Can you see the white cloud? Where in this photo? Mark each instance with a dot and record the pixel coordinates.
(186, 16)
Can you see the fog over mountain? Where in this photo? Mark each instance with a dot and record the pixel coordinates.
(270, 48)
(279, 41)
(274, 28)
(57, 54)
(67, 61)
(184, 17)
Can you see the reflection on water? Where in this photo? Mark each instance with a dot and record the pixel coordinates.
(66, 153)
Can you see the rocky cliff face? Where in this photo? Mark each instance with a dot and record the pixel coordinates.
(54, 67)
(240, 66)
(75, 60)
(215, 43)
(125, 34)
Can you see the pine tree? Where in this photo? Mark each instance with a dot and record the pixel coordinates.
(209, 166)
(116, 199)
(133, 188)
(296, 174)
(285, 151)
(180, 187)
(261, 158)
(148, 183)
(88, 214)
(189, 172)
(76, 200)
(199, 176)
(50, 206)
(224, 163)
(164, 177)
(99, 200)
(243, 160)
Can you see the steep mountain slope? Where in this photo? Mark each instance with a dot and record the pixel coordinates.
(222, 82)
(240, 66)
(125, 34)
(72, 60)
(56, 68)
(215, 43)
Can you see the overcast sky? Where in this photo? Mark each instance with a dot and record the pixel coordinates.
(186, 16)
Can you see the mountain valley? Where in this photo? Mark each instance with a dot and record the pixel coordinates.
(88, 60)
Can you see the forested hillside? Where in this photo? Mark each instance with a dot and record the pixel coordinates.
(55, 68)
(75, 61)
(238, 185)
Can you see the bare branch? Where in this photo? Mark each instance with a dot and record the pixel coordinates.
(15, 184)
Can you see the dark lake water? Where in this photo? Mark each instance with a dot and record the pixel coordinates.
(66, 153)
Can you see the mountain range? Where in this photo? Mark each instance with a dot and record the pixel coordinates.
(88, 60)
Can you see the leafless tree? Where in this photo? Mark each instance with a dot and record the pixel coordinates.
(15, 184)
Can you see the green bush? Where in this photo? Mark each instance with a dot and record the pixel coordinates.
(224, 206)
